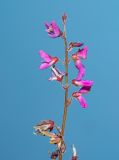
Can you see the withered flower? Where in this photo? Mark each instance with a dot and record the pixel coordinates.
(46, 125)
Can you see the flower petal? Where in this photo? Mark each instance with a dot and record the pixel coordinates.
(82, 102)
(47, 25)
(82, 82)
(53, 30)
(45, 56)
(78, 64)
(81, 72)
(44, 65)
(83, 52)
(85, 89)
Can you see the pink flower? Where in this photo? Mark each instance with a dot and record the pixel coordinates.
(81, 71)
(82, 82)
(46, 125)
(74, 155)
(85, 89)
(56, 74)
(77, 62)
(48, 60)
(53, 30)
(80, 54)
(78, 95)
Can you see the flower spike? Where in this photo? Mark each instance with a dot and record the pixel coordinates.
(53, 30)
(48, 60)
(46, 127)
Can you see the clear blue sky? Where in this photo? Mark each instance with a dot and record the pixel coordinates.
(26, 97)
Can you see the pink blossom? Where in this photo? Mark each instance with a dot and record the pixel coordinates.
(82, 82)
(85, 89)
(79, 66)
(78, 95)
(48, 60)
(56, 74)
(81, 72)
(53, 30)
(82, 53)
(82, 102)
(81, 69)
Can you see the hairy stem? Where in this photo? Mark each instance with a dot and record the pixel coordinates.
(66, 86)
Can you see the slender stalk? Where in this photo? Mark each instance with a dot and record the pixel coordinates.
(66, 86)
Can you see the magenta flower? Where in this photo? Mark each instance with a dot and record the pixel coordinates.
(85, 89)
(82, 82)
(56, 74)
(79, 66)
(78, 95)
(74, 155)
(46, 125)
(53, 30)
(48, 60)
(81, 71)
(80, 54)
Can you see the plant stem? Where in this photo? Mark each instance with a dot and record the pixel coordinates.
(66, 86)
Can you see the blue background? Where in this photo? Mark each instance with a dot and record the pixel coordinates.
(26, 97)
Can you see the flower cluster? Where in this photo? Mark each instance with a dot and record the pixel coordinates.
(50, 61)
(46, 127)
(78, 81)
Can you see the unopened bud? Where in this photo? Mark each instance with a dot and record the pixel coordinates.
(64, 18)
